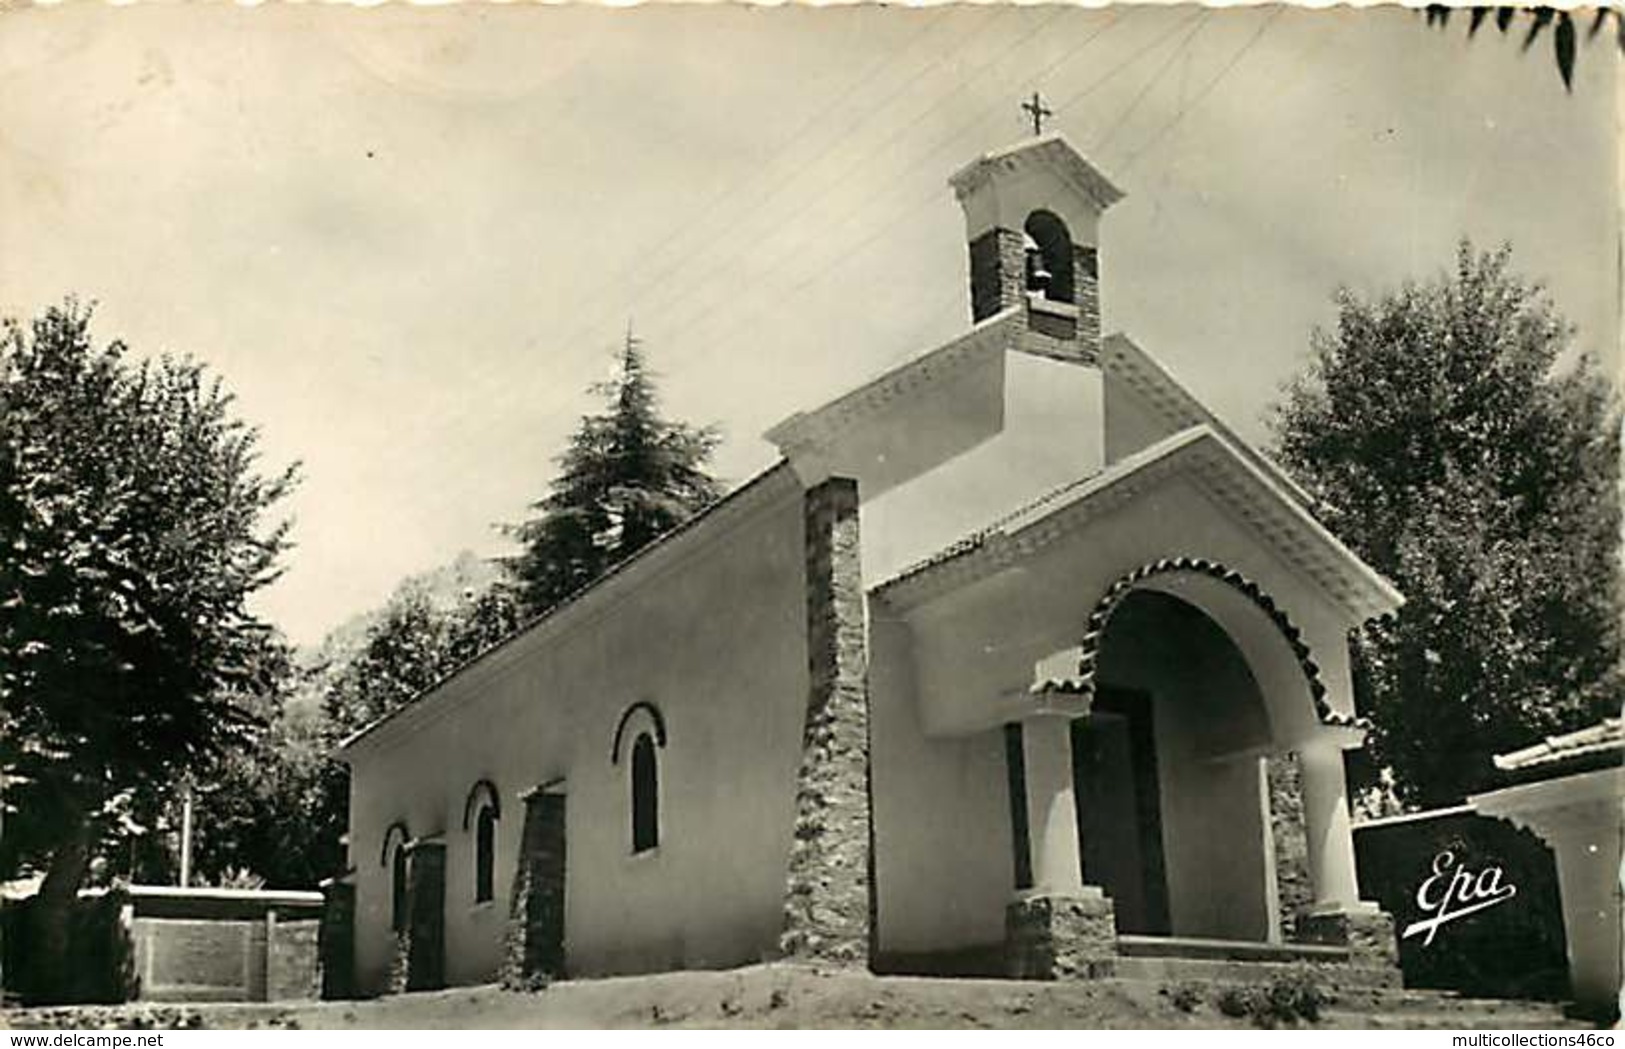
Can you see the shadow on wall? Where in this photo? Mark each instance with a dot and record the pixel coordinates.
(1511, 950)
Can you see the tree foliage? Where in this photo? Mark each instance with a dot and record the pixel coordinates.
(276, 811)
(411, 646)
(273, 812)
(1452, 454)
(132, 531)
(627, 477)
(1564, 33)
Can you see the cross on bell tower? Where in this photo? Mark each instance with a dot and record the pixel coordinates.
(1038, 112)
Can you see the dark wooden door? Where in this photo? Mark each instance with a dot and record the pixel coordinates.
(1114, 769)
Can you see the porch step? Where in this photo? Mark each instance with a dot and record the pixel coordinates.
(1227, 950)
(1425, 1009)
(1166, 970)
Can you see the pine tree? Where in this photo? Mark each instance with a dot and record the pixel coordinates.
(627, 477)
(1454, 456)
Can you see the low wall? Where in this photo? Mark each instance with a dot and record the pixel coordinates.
(161, 943)
(1514, 949)
(225, 945)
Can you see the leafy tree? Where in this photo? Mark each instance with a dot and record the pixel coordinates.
(413, 644)
(131, 534)
(1450, 451)
(627, 477)
(274, 812)
(407, 650)
(1565, 36)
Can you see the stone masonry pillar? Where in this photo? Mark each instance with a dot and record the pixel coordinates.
(998, 272)
(535, 931)
(1086, 281)
(426, 911)
(1058, 928)
(1338, 915)
(829, 900)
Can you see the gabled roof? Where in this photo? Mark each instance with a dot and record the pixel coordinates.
(1214, 462)
(1123, 359)
(433, 701)
(915, 377)
(1048, 151)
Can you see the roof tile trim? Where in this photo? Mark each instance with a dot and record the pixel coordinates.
(1608, 734)
(1127, 584)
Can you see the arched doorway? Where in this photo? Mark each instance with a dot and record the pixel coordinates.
(1173, 812)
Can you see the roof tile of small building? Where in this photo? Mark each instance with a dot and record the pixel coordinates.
(1599, 739)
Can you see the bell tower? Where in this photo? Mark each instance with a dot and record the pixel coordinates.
(1032, 218)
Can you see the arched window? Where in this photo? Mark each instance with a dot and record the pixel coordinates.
(645, 726)
(1050, 254)
(482, 809)
(485, 854)
(645, 795)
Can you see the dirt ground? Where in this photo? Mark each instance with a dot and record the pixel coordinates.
(790, 997)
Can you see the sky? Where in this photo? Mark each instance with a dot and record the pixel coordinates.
(410, 238)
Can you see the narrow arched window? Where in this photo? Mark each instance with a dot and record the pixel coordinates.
(485, 854)
(645, 795)
(397, 889)
(1049, 260)
(481, 811)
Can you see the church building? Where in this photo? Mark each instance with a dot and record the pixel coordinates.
(1019, 662)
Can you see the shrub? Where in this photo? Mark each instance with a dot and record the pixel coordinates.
(1288, 998)
(1184, 996)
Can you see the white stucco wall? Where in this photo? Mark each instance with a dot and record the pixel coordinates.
(985, 638)
(713, 632)
(943, 860)
(1051, 434)
(1131, 424)
(941, 804)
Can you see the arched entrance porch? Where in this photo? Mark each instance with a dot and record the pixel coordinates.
(1197, 676)
(1173, 811)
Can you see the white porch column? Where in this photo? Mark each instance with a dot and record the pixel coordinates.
(1338, 915)
(1052, 810)
(1579, 816)
(1329, 829)
(1587, 853)
(1056, 927)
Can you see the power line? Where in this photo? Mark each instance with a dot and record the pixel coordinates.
(694, 323)
(1089, 88)
(1187, 108)
(697, 319)
(741, 216)
(1156, 77)
(838, 180)
(731, 191)
(843, 254)
(700, 276)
